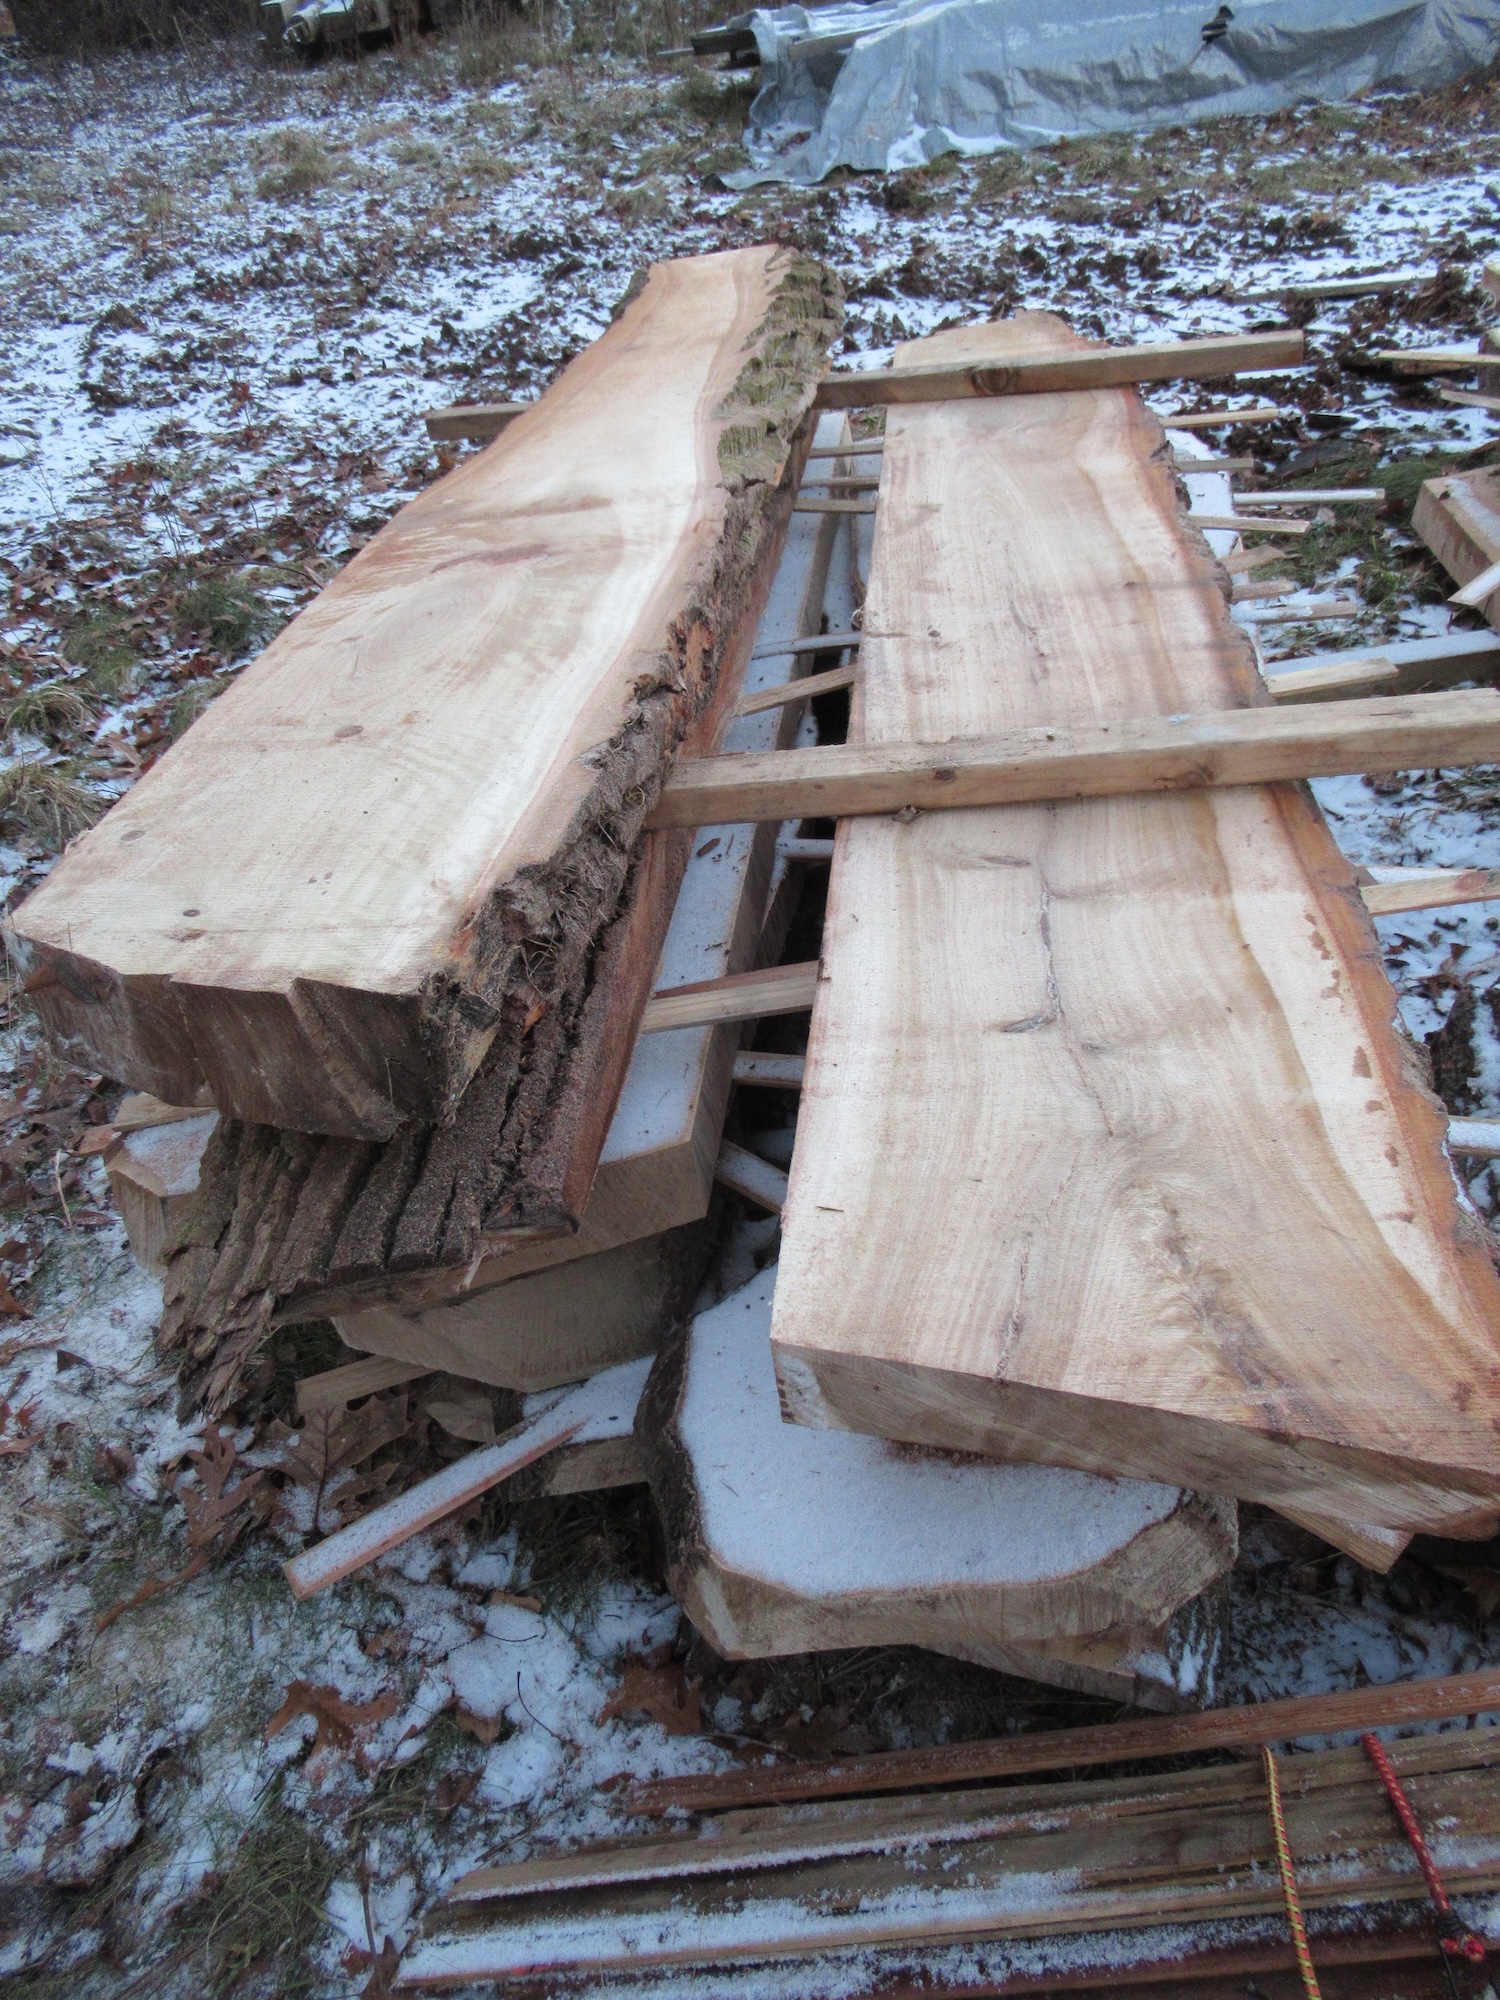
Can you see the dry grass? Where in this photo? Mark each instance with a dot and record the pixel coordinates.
(47, 711)
(41, 803)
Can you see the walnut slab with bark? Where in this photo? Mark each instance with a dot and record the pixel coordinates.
(393, 847)
(1110, 1154)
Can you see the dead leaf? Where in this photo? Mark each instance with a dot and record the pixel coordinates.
(1483, 1585)
(10, 1304)
(454, 1789)
(152, 1587)
(662, 1694)
(335, 1440)
(96, 1139)
(337, 1719)
(382, 1981)
(486, 1728)
(18, 1431)
(513, 1597)
(114, 1461)
(218, 1513)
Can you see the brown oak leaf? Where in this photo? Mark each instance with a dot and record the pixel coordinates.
(337, 1719)
(663, 1694)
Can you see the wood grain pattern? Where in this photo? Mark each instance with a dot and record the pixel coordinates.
(399, 837)
(1061, 759)
(1114, 1086)
(990, 367)
(1458, 517)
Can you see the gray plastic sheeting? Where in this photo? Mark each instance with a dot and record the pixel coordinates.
(895, 83)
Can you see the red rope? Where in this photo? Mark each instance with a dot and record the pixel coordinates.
(1289, 1894)
(1454, 1935)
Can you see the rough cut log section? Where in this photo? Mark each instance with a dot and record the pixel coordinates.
(781, 1539)
(1110, 1153)
(284, 1215)
(391, 849)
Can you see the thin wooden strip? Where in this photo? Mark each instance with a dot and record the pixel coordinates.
(1064, 368)
(1250, 590)
(815, 642)
(742, 996)
(1326, 496)
(1474, 593)
(1397, 889)
(832, 506)
(1310, 614)
(1246, 1728)
(771, 1072)
(1474, 399)
(1210, 420)
(1246, 746)
(771, 1837)
(1337, 288)
(817, 853)
(385, 1528)
(1476, 1137)
(803, 690)
(1191, 466)
(339, 1386)
(856, 448)
(865, 482)
(1245, 524)
(1435, 360)
(748, 1174)
(1342, 677)
(479, 421)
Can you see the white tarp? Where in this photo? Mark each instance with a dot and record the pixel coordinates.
(897, 82)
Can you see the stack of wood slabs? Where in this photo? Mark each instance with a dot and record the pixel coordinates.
(1458, 517)
(388, 904)
(781, 1539)
(1027, 1862)
(1110, 1154)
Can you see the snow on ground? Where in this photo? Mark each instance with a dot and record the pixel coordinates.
(231, 289)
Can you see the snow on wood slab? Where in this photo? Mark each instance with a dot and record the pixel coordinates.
(1097, 1856)
(1058, 759)
(594, 1412)
(394, 846)
(153, 1176)
(787, 1540)
(1458, 517)
(1109, 1154)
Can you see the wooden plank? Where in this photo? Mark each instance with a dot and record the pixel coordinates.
(1256, 589)
(859, 481)
(1458, 517)
(153, 1176)
(1082, 760)
(1337, 288)
(1195, 1855)
(1337, 678)
(1245, 524)
(1345, 1712)
(771, 1837)
(1192, 467)
(992, 373)
(1395, 889)
(806, 689)
(1476, 1138)
(816, 853)
(856, 448)
(743, 996)
(1212, 420)
(1328, 496)
(748, 1174)
(1068, 1064)
(1438, 661)
(771, 1072)
(337, 1387)
(316, 907)
(1310, 614)
(1472, 595)
(1435, 360)
(477, 421)
(593, 1408)
(783, 1540)
(1472, 397)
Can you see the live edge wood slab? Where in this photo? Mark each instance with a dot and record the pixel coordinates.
(1109, 1154)
(565, 945)
(394, 850)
